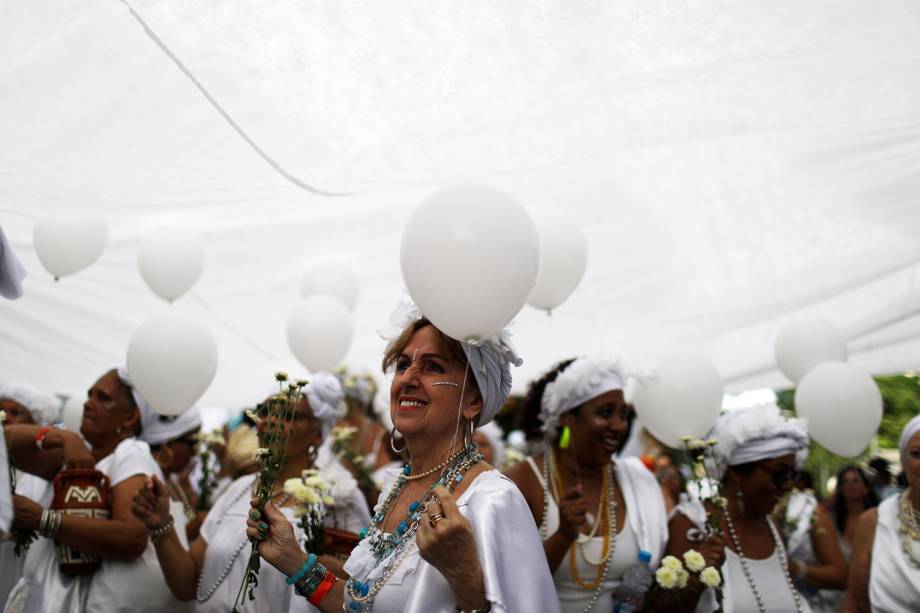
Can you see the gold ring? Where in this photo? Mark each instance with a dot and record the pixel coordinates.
(434, 519)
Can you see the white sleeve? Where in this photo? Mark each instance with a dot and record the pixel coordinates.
(131, 458)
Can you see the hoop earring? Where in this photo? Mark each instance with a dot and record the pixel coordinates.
(311, 453)
(393, 445)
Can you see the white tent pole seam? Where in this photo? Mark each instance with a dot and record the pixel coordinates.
(214, 103)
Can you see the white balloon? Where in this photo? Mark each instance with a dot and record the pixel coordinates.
(563, 258)
(172, 360)
(683, 398)
(335, 279)
(469, 257)
(66, 245)
(805, 342)
(170, 261)
(843, 407)
(319, 332)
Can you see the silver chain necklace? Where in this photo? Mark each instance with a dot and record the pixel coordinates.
(783, 562)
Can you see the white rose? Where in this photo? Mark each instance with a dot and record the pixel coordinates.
(711, 577)
(666, 577)
(672, 563)
(682, 578)
(694, 560)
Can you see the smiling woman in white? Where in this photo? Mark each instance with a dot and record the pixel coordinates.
(596, 512)
(452, 534)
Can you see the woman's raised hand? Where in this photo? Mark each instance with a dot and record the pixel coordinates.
(572, 512)
(275, 535)
(151, 504)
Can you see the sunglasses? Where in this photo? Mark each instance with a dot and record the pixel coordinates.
(783, 475)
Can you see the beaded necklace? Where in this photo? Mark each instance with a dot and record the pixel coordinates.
(783, 562)
(607, 512)
(229, 565)
(908, 529)
(177, 494)
(395, 547)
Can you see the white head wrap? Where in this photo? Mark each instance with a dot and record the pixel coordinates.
(757, 433)
(327, 401)
(148, 415)
(490, 361)
(582, 380)
(494, 435)
(165, 428)
(360, 387)
(12, 272)
(44, 408)
(912, 427)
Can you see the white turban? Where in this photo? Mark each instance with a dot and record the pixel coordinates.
(327, 401)
(44, 408)
(757, 433)
(494, 435)
(490, 362)
(582, 380)
(360, 387)
(148, 415)
(12, 272)
(912, 427)
(165, 428)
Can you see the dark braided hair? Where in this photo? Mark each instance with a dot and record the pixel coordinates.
(529, 416)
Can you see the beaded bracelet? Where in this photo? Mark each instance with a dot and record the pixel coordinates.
(311, 560)
(485, 609)
(40, 437)
(323, 590)
(308, 585)
(158, 533)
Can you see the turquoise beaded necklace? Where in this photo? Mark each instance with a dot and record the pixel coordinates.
(396, 545)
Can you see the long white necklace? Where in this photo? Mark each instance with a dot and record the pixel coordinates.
(783, 562)
(229, 565)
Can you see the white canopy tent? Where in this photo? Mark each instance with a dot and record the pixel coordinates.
(731, 163)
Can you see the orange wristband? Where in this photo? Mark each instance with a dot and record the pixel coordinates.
(323, 589)
(40, 437)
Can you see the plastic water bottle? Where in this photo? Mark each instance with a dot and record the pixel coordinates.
(630, 594)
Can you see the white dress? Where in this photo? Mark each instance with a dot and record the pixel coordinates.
(228, 550)
(515, 573)
(645, 527)
(894, 583)
(11, 565)
(737, 595)
(44, 588)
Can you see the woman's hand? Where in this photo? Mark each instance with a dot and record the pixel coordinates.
(713, 551)
(445, 540)
(27, 513)
(572, 512)
(151, 504)
(275, 535)
(76, 453)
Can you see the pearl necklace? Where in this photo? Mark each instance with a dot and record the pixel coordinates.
(783, 562)
(908, 530)
(610, 541)
(229, 565)
(410, 477)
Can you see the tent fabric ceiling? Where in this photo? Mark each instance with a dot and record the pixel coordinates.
(732, 164)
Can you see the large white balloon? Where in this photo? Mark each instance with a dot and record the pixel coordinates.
(470, 256)
(66, 245)
(563, 258)
(170, 261)
(72, 411)
(843, 407)
(805, 342)
(683, 398)
(319, 332)
(172, 360)
(335, 279)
